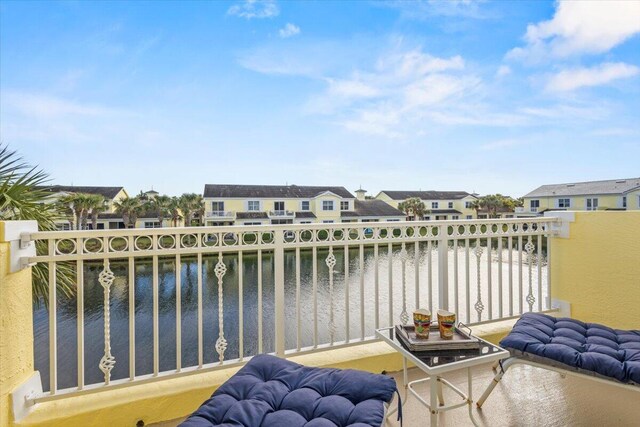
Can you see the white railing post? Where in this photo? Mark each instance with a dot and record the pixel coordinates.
(278, 266)
(443, 268)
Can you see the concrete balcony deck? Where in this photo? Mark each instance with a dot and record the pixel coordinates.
(528, 396)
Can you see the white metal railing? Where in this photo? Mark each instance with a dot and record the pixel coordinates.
(220, 214)
(484, 270)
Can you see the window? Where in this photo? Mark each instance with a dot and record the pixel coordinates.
(278, 206)
(450, 205)
(63, 226)
(304, 206)
(624, 202)
(534, 205)
(592, 204)
(327, 222)
(253, 205)
(427, 218)
(468, 205)
(327, 205)
(151, 224)
(393, 220)
(217, 206)
(434, 205)
(564, 203)
(252, 223)
(305, 222)
(469, 216)
(455, 217)
(344, 206)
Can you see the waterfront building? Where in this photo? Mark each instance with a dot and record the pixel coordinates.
(439, 205)
(613, 194)
(290, 204)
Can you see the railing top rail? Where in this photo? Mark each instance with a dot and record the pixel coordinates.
(72, 234)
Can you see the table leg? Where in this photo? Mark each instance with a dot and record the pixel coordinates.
(440, 395)
(470, 396)
(433, 386)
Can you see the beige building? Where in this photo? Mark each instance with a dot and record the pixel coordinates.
(439, 205)
(613, 194)
(289, 204)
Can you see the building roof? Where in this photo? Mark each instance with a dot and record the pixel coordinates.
(376, 208)
(305, 214)
(108, 192)
(252, 215)
(443, 211)
(611, 186)
(426, 195)
(271, 191)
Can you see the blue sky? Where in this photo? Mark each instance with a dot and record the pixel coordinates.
(461, 95)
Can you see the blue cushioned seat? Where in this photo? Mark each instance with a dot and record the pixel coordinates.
(589, 347)
(270, 391)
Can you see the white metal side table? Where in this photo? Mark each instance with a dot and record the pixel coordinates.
(436, 363)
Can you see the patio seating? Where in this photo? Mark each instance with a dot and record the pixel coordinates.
(270, 391)
(572, 347)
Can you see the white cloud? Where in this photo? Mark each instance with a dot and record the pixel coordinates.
(289, 30)
(575, 78)
(503, 70)
(502, 143)
(259, 9)
(580, 27)
(39, 106)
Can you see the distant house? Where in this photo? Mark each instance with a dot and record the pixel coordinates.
(439, 205)
(107, 219)
(287, 204)
(613, 194)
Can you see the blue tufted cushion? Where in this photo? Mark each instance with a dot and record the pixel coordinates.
(608, 352)
(270, 391)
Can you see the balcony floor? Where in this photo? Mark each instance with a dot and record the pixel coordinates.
(526, 396)
(529, 396)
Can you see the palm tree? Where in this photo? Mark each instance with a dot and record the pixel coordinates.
(96, 204)
(23, 197)
(190, 203)
(476, 205)
(160, 206)
(413, 206)
(129, 208)
(173, 207)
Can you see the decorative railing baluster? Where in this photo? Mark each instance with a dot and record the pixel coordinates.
(221, 343)
(479, 306)
(331, 263)
(404, 256)
(107, 362)
(529, 248)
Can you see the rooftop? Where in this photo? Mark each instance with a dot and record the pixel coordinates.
(610, 186)
(426, 195)
(271, 191)
(108, 192)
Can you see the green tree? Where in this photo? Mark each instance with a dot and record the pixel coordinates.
(158, 205)
(191, 204)
(413, 207)
(24, 197)
(96, 204)
(173, 208)
(129, 208)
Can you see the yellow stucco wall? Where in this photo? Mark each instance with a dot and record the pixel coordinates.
(597, 269)
(16, 332)
(579, 203)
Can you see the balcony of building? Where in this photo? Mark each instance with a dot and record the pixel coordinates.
(202, 304)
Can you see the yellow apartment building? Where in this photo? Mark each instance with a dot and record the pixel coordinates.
(439, 205)
(613, 194)
(290, 204)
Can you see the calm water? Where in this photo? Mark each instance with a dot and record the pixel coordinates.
(119, 303)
